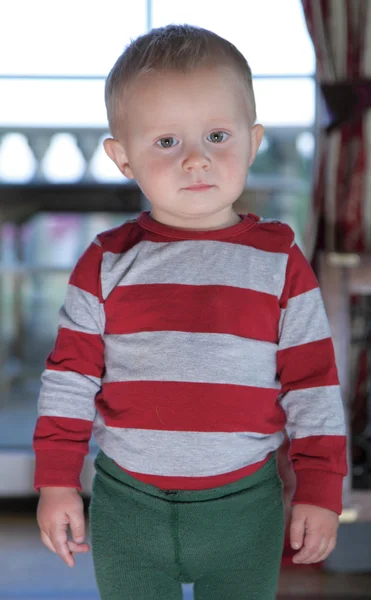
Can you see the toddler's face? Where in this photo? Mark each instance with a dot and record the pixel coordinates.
(183, 130)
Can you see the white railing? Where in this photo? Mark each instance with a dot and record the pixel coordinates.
(75, 154)
(38, 154)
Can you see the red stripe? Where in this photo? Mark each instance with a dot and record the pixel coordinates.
(270, 237)
(62, 433)
(197, 483)
(58, 468)
(179, 406)
(76, 351)
(306, 366)
(191, 308)
(320, 452)
(86, 274)
(300, 277)
(320, 463)
(122, 238)
(60, 445)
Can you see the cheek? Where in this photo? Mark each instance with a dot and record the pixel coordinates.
(158, 167)
(234, 163)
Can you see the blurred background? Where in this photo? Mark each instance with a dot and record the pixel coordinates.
(311, 62)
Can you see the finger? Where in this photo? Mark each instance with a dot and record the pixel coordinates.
(77, 525)
(329, 549)
(297, 529)
(312, 542)
(77, 548)
(314, 556)
(47, 541)
(59, 540)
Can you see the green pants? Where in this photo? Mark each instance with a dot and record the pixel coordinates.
(146, 541)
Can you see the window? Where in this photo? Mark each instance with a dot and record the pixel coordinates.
(54, 62)
(84, 39)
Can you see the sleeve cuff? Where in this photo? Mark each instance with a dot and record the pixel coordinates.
(320, 488)
(58, 468)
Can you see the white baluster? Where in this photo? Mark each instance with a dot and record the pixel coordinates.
(88, 142)
(39, 141)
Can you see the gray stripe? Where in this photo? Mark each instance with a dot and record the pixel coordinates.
(183, 356)
(82, 312)
(68, 394)
(304, 320)
(197, 262)
(314, 411)
(183, 453)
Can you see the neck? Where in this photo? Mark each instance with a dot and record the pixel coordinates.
(199, 223)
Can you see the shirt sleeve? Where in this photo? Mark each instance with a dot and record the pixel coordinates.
(71, 379)
(311, 399)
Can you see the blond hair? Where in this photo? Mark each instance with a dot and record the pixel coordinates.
(172, 48)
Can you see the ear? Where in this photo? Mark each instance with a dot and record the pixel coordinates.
(115, 150)
(257, 133)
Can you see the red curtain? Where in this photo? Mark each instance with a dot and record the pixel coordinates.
(341, 208)
(341, 211)
(340, 219)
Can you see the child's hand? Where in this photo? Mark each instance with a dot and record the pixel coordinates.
(59, 507)
(316, 527)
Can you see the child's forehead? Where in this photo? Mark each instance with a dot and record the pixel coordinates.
(177, 110)
(215, 86)
(198, 98)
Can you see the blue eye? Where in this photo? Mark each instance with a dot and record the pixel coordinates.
(217, 136)
(167, 142)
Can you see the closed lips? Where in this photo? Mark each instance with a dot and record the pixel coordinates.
(200, 186)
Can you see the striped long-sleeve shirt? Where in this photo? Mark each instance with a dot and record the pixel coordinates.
(188, 353)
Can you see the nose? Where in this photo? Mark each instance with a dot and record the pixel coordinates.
(195, 160)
